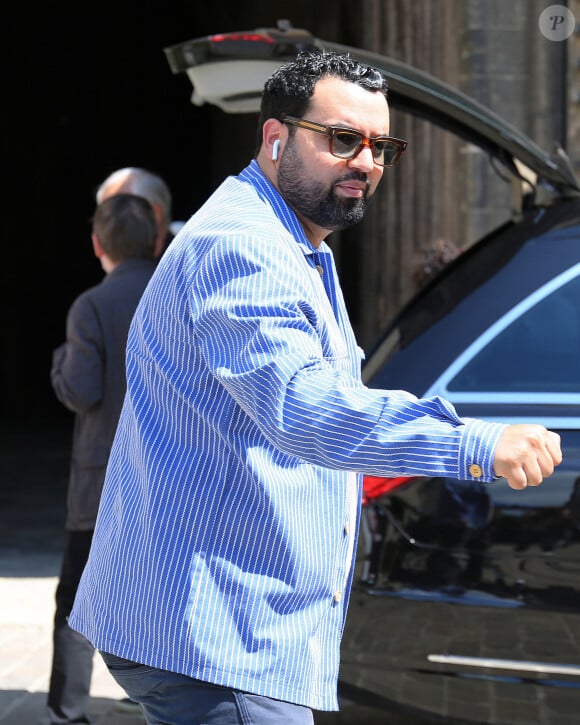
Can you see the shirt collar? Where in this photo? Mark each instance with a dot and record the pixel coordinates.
(254, 176)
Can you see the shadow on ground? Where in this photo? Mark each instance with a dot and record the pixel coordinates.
(28, 708)
(34, 461)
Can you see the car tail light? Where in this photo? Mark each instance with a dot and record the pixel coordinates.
(375, 486)
(276, 44)
(244, 37)
(239, 46)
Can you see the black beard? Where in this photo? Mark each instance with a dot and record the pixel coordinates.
(314, 201)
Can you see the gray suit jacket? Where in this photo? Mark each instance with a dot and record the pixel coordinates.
(88, 377)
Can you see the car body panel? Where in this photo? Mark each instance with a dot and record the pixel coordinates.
(455, 585)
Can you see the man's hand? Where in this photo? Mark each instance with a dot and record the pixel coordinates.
(526, 453)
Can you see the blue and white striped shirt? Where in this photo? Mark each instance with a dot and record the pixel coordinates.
(224, 543)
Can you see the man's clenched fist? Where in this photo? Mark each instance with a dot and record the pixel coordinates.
(526, 454)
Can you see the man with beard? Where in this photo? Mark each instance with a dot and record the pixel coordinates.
(221, 565)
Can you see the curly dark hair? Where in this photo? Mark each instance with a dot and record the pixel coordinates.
(290, 87)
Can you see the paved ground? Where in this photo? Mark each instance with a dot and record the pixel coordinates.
(33, 472)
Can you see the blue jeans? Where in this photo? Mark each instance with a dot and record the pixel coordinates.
(168, 698)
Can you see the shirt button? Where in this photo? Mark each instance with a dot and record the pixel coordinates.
(475, 470)
(347, 528)
(337, 596)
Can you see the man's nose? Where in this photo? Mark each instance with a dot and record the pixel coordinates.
(364, 160)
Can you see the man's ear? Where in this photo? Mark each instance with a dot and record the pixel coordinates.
(158, 213)
(97, 247)
(274, 132)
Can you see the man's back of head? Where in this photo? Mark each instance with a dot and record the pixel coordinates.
(141, 182)
(125, 227)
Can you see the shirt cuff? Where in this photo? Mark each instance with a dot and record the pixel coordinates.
(477, 454)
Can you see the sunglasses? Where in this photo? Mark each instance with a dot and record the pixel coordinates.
(346, 143)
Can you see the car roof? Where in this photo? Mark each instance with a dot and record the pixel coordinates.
(229, 70)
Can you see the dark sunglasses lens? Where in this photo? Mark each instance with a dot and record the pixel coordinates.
(345, 143)
(385, 152)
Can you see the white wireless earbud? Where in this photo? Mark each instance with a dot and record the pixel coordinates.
(275, 147)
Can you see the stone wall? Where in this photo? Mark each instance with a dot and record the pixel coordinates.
(573, 91)
(444, 188)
